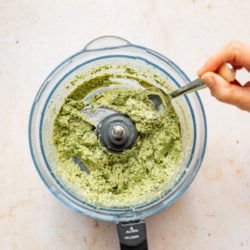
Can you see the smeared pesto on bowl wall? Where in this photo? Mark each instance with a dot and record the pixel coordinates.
(116, 179)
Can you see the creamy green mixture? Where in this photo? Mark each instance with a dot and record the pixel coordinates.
(116, 179)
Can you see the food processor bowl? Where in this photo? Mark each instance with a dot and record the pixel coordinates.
(116, 56)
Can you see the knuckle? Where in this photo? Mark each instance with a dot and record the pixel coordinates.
(233, 48)
(223, 95)
(234, 45)
(219, 96)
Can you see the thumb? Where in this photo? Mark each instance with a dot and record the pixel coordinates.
(219, 87)
(227, 92)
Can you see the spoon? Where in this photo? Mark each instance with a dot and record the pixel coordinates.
(158, 96)
(155, 94)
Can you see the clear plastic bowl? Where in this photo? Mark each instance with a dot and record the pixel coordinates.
(115, 51)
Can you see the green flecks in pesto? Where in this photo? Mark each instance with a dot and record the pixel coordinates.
(116, 180)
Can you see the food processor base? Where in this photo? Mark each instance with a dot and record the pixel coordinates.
(132, 235)
(142, 246)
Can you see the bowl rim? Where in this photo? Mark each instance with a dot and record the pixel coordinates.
(123, 215)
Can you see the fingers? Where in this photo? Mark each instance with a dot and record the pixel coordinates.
(235, 52)
(226, 92)
(238, 55)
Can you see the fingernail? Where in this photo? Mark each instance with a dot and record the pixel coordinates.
(200, 71)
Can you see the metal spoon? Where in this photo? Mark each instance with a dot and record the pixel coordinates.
(155, 94)
(226, 71)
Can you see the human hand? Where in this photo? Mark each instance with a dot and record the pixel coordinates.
(238, 55)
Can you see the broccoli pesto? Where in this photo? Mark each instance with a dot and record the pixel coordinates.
(115, 179)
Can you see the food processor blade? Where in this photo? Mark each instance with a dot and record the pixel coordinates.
(81, 165)
(95, 115)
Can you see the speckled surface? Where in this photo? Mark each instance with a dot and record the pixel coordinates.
(36, 36)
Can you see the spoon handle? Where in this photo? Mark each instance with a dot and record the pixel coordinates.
(195, 85)
(226, 71)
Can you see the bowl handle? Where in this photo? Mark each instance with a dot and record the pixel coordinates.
(106, 42)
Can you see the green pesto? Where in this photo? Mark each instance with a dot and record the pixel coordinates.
(116, 179)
